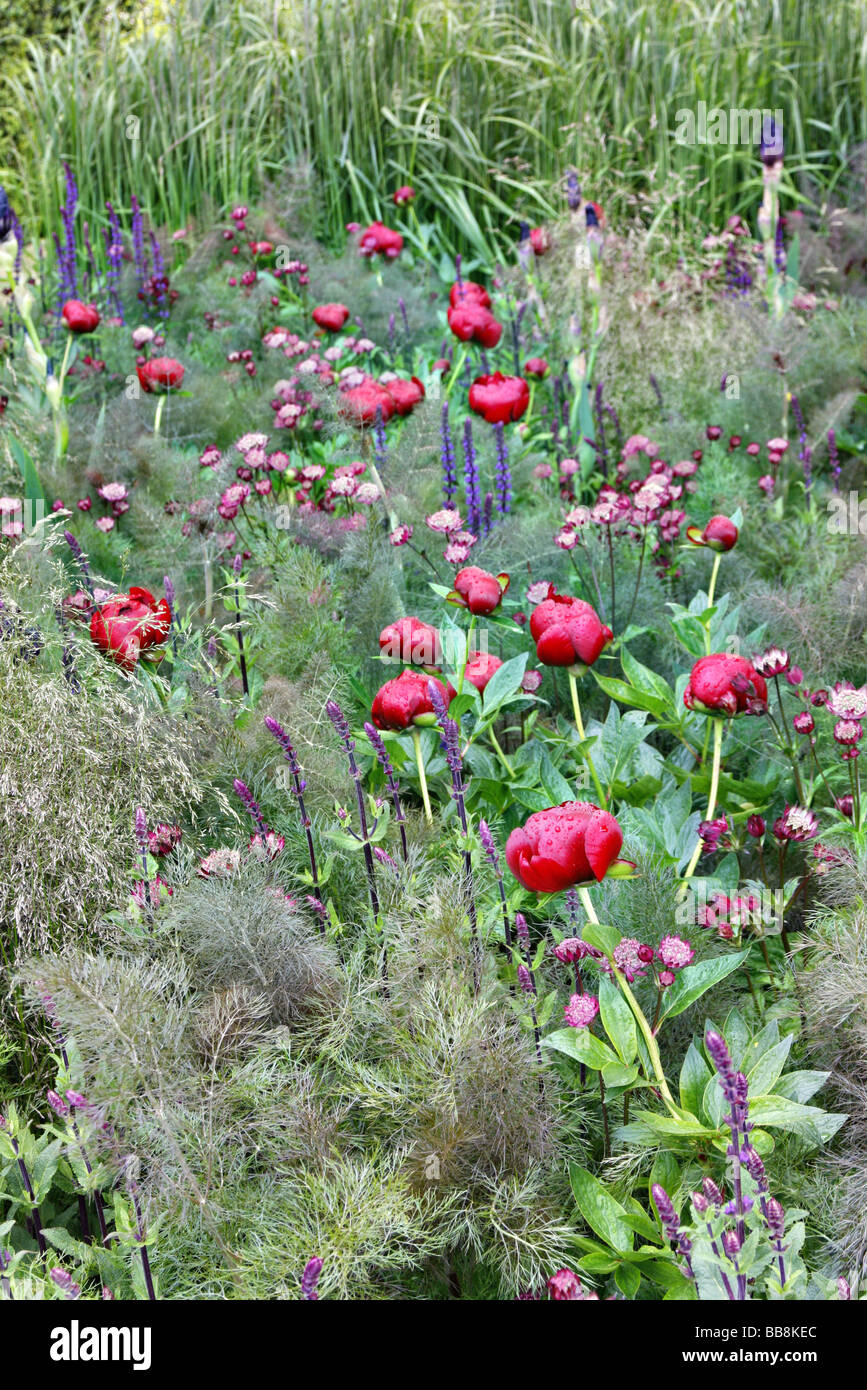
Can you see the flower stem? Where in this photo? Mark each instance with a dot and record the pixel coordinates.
(159, 415)
(579, 725)
(711, 801)
(500, 754)
(710, 593)
(646, 1032)
(419, 762)
(464, 663)
(606, 1152)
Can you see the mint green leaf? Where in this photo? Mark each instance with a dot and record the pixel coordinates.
(767, 1071)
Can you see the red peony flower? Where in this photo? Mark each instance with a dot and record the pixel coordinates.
(129, 624)
(540, 240)
(411, 641)
(159, 374)
(725, 684)
(362, 402)
(468, 292)
(478, 590)
(80, 318)
(404, 701)
(402, 195)
(478, 671)
(330, 316)
(720, 534)
(472, 322)
(261, 248)
(567, 631)
(379, 240)
(499, 398)
(405, 394)
(572, 843)
(537, 366)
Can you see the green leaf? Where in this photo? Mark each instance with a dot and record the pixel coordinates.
(504, 682)
(645, 679)
(618, 1020)
(599, 1263)
(668, 1124)
(532, 797)
(811, 1123)
(600, 935)
(800, 1086)
(628, 1279)
(638, 1218)
(617, 1075)
(694, 1076)
(602, 1212)
(555, 784)
(758, 1045)
(767, 1070)
(463, 703)
(695, 980)
(713, 1102)
(666, 1172)
(629, 695)
(666, 1273)
(582, 1046)
(33, 490)
(736, 1034)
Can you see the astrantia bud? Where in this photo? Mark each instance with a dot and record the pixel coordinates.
(774, 661)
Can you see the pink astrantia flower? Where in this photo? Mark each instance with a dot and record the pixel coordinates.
(847, 701)
(627, 959)
(268, 847)
(774, 661)
(581, 1010)
(796, 823)
(674, 952)
(847, 731)
(569, 950)
(219, 863)
(447, 519)
(113, 492)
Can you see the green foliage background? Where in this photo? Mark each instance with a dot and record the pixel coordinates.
(483, 106)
